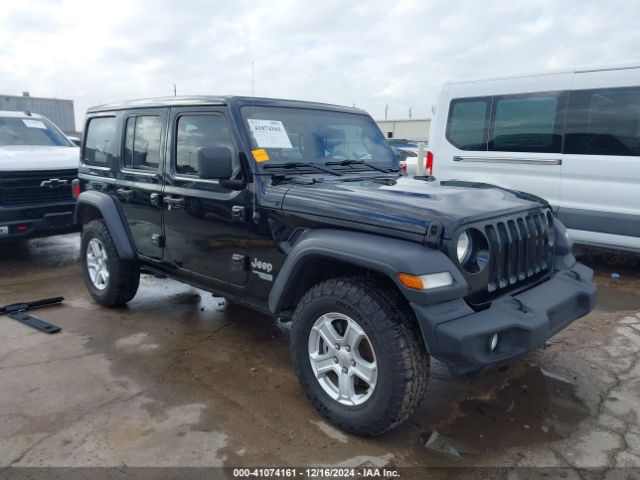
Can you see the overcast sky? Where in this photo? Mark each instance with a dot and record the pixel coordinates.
(373, 53)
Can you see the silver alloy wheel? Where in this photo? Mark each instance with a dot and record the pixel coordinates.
(97, 264)
(342, 359)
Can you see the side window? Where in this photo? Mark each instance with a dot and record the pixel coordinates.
(529, 123)
(142, 142)
(199, 131)
(604, 122)
(100, 142)
(467, 123)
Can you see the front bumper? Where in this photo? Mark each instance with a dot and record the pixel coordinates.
(460, 337)
(36, 221)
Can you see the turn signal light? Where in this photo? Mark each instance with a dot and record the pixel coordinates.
(410, 281)
(426, 282)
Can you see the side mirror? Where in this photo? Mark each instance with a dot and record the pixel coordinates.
(215, 163)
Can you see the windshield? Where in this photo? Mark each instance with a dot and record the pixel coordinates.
(318, 136)
(30, 131)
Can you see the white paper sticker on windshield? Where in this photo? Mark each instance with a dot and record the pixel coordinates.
(34, 123)
(269, 133)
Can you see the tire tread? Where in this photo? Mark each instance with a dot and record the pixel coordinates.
(392, 315)
(124, 275)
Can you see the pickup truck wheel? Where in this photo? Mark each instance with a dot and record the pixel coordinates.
(358, 354)
(111, 281)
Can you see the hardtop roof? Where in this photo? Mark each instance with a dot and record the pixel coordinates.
(211, 100)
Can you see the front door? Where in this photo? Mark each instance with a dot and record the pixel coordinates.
(205, 225)
(139, 179)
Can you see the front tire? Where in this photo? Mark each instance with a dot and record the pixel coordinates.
(111, 281)
(358, 354)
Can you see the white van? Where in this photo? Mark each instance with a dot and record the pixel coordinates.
(570, 137)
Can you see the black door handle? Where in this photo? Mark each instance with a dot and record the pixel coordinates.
(125, 193)
(174, 202)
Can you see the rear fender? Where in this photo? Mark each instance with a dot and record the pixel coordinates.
(112, 217)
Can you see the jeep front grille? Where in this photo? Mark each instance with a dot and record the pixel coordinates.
(25, 187)
(519, 249)
(520, 254)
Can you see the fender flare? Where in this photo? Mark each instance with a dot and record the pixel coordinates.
(386, 255)
(112, 218)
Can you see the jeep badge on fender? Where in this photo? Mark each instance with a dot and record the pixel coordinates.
(262, 269)
(299, 210)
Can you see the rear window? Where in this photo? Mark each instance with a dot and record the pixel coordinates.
(100, 141)
(527, 123)
(142, 142)
(467, 123)
(604, 122)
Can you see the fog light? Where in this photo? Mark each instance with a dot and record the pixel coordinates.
(493, 342)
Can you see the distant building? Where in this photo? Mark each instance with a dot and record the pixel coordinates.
(57, 110)
(415, 129)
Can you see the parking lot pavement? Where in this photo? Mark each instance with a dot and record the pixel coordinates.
(181, 378)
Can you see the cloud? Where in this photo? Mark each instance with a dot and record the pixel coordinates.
(369, 53)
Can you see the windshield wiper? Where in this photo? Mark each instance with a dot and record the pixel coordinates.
(362, 162)
(290, 165)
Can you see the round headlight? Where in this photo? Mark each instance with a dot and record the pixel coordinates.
(463, 247)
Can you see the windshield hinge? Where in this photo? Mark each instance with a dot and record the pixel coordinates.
(434, 234)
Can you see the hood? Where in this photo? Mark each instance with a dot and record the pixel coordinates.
(31, 157)
(406, 204)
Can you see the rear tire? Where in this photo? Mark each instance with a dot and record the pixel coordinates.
(397, 355)
(111, 281)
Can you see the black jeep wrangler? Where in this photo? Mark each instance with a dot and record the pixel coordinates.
(299, 210)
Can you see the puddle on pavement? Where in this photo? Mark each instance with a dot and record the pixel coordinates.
(613, 299)
(534, 407)
(617, 275)
(50, 250)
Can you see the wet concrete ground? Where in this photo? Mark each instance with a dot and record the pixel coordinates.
(180, 378)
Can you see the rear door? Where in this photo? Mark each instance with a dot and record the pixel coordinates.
(139, 178)
(601, 170)
(205, 223)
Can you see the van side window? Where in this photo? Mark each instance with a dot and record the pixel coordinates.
(467, 123)
(199, 131)
(100, 142)
(530, 123)
(142, 142)
(604, 122)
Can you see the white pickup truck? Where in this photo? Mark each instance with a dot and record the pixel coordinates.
(37, 166)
